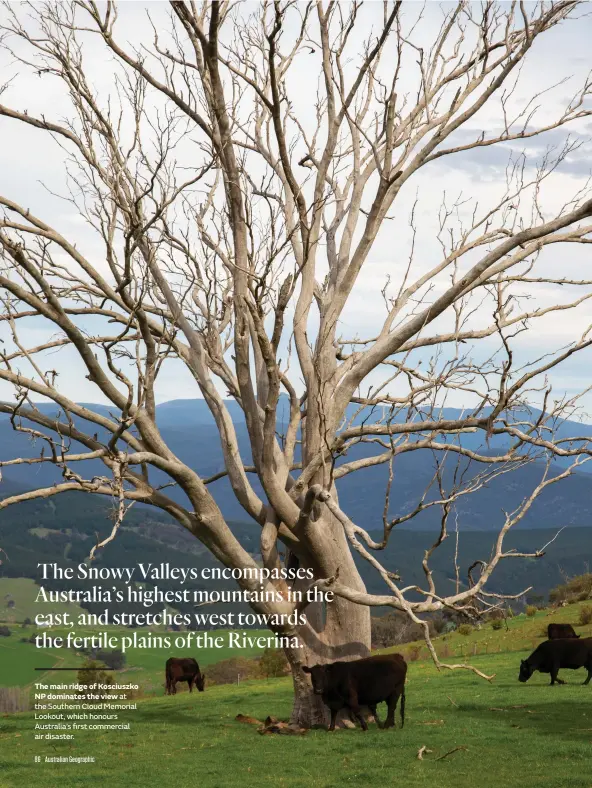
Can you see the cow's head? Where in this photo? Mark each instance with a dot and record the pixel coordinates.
(525, 671)
(200, 681)
(319, 676)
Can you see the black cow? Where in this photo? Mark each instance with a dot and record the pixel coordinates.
(362, 682)
(552, 655)
(183, 669)
(555, 631)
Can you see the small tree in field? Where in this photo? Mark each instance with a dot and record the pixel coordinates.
(239, 173)
(273, 663)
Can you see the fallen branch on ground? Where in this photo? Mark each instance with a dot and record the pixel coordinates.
(456, 749)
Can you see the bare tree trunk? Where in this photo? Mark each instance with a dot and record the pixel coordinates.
(308, 709)
(338, 630)
(345, 636)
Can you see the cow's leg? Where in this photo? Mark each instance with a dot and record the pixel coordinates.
(190, 684)
(333, 718)
(375, 714)
(174, 687)
(354, 705)
(589, 669)
(392, 707)
(357, 711)
(554, 676)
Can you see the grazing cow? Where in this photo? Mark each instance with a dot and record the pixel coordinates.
(183, 669)
(552, 655)
(555, 631)
(362, 682)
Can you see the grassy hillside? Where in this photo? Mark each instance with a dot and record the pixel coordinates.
(143, 666)
(22, 591)
(508, 733)
(513, 734)
(19, 661)
(32, 537)
(522, 633)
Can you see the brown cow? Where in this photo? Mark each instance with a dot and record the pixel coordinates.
(362, 682)
(183, 669)
(555, 631)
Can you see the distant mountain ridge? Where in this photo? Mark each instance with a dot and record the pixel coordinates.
(189, 429)
(63, 530)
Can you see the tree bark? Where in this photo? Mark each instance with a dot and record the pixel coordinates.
(345, 636)
(336, 631)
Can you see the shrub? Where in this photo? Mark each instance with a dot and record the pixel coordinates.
(114, 660)
(27, 622)
(530, 611)
(439, 624)
(497, 623)
(586, 615)
(465, 629)
(577, 589)
(273, 663)
(4, 632)
(538, 600)
(414, 653)
(92, 672)
(228, 671)
(393, 629)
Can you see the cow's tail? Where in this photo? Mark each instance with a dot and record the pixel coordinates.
(403, 707)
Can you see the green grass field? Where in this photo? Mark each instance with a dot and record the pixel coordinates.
(510, 734)
(514, 735)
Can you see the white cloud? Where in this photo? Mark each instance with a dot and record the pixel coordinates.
(29, 159)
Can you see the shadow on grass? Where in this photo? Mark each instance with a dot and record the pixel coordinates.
(172, 715)
(560, 717)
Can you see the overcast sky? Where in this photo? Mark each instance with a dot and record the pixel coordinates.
(32, 167)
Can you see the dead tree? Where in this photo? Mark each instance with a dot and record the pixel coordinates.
(240, 170)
